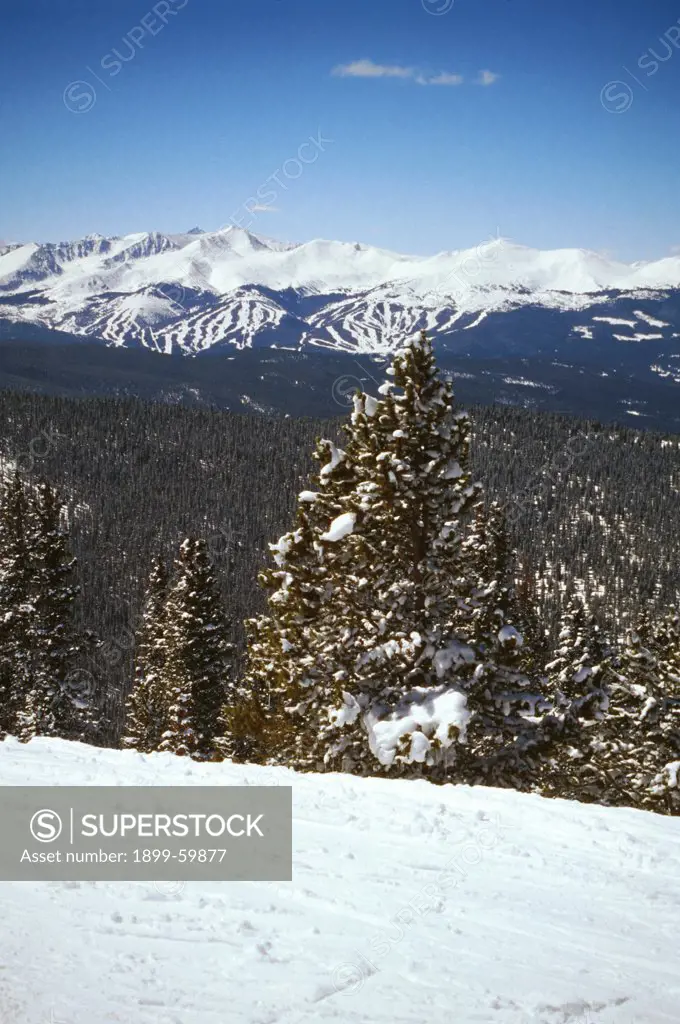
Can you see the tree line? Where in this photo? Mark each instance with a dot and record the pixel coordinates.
(590, 508)
(402, 632)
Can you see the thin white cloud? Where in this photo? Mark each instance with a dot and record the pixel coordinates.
(263, 208)
(443, 78)
(368, 69)
(487, 78)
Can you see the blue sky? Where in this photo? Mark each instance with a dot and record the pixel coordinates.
(434, 130)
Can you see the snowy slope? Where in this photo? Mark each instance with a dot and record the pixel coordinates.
(110, 288)
(410, 903)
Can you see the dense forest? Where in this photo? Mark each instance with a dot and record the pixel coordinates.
(588, 507)
(572, 536)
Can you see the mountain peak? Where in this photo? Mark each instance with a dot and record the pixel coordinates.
(372, 293)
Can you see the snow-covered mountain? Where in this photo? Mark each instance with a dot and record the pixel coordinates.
(409, 902)
(199, 290)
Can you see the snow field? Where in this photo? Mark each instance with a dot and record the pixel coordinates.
(410, 902)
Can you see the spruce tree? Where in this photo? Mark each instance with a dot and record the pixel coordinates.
(579, 671)
(197, 670)
(147, 705)
(581, 678)
(16, 611)
(533, 629)
(57, 641)
(39, 643)
(507, 695)
(667, 638)
(362, 647)
(664, 787)
(641, 741)
(615, 726)
(265, 722)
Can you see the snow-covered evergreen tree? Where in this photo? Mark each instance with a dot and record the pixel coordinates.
(536, 644)
(56, 640)
(507, 696)
(667, 638)
(580, 677)
(16, 610)
(362, 647)
(640, 748)
(263, 720)
(579, 672)
(147, 704)
(664, 786)
(39, 643)
(615, 726)
(197, 670)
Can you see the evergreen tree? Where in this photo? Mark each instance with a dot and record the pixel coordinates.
(264, 722)
(38, 638)
(534, 631)
(664, 787)
(580, 669)
(581, 678)
(57, 641)
(507, 696)
(16, 611)
(615, 726)
(362, 646)
(667, 638)
(641, 741)
(197, 670)
(147, 704)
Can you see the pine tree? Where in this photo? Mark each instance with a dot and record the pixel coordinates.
(667, 638)
(579, 671)
(536, 644)
(38, 639)
(147, 705)
(362, 646)
(507, 695)
(615, 728)
(16, 611)
(263, 721)
(197, 671)
(641, 741)
(664, 787)
(581, 680)
(57, 641)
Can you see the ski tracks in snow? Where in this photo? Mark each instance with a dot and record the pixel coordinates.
(409, 902)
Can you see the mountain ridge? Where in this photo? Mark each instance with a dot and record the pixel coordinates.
(199, 293)
(127, 289)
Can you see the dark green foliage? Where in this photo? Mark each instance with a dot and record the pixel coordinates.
(55, 592)
(509, 691)
(39, 644)
(588, 509)
(580, 678)
(16, 612)
(147, 705)
(364, 600)
(587, 505)
(196, 673)
(184, 670)
(637, 754)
